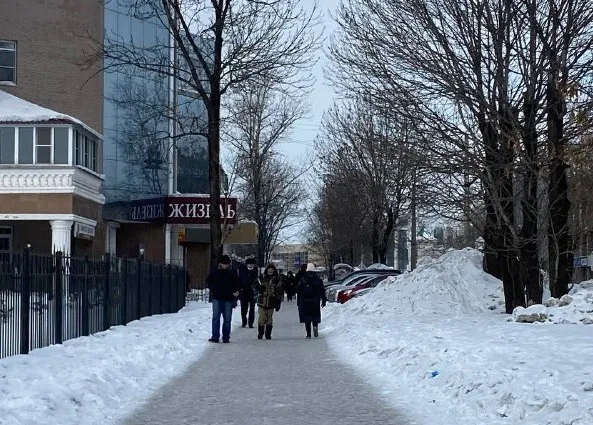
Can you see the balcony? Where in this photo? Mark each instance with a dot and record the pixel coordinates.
(52, 179)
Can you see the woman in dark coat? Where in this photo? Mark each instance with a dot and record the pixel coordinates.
(311, 295)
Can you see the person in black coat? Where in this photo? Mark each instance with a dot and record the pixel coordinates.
(224, 288)
(247, 282)
(310, 297)
(290, 286)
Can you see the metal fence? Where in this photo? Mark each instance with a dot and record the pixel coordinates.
(47, 299)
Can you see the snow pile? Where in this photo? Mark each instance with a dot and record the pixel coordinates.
(16, 110)
(101, 378)
(424, 260)
(453, 284)
(429, 343)
(379, 266)
(570, 309)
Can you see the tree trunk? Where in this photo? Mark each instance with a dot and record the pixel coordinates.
(214, 143)
(500, 252)
(375, 239)
(528, 251)
(559, 241)
(413, 236)
(214, 178)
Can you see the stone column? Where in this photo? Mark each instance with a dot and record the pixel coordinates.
(61, 235)
(111, 240)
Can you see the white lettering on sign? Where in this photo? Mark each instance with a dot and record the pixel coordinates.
(176, 211)
(199, 210)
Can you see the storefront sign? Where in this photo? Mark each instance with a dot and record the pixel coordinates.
(181, 210)
(84, 231)
(148, 210)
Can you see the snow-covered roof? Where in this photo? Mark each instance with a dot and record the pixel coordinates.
(14, 110)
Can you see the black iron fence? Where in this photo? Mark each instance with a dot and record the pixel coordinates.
(47, 299)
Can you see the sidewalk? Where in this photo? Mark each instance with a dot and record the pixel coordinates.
(286, 381)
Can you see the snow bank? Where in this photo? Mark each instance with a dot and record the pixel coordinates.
(101, 378)
(379, 266)
(429, 342)
(453, 284)
(576, 308)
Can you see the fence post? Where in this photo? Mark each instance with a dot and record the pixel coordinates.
(59, 259)
(85, 298)
(107, 294)
(161, 287)
(25, 300)
(124, 289)
(139, 284)
(169, 287)
(150, 289)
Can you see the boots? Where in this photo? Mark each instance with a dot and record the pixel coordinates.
(308, 329)
(268, 331)
(260, 332)
(315, 331)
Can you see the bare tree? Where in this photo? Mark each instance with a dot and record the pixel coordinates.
(362, 146)
(474, 79)
(261, 116)
(219, 45)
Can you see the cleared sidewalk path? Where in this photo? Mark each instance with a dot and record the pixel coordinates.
(286, 381)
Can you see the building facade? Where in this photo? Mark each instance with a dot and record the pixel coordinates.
(51, 121)
(86, 154)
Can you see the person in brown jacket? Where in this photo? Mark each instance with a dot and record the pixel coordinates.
(269, 299)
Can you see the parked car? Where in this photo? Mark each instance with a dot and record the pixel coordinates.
(360, 293)
(361, 281)
(349, 292)
(347, 280)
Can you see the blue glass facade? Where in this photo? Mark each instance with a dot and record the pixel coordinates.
(137, 118)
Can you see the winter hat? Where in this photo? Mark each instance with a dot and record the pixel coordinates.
(250, 260)
(224, 259)
(273, 267)
(310, 267)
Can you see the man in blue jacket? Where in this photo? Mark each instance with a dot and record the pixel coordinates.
(247, 280)
(224, 287)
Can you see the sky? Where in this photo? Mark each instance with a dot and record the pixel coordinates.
(301, 141)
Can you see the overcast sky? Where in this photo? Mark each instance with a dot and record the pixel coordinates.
(301, 140)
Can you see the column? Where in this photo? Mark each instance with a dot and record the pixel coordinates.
(111, 240)
(61, 235)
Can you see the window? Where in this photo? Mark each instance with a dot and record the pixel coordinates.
(61, 145)
(7, 145)
(26, 145)
(85, 151)
(5, 238)
(43, 145)
(7, 62)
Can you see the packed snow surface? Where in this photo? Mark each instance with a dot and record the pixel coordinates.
(437, 341)
(101, 378)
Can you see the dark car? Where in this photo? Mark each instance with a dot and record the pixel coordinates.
(348, 279)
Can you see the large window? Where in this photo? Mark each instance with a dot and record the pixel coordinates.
(85, 151)
(6, 145)
(48, 145)
(7, 62)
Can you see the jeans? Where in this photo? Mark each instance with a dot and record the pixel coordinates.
(224, 308)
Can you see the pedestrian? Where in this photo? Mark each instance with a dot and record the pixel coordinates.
(297, 277)
(224, 288)
(247, 281)
(310, 295)
(290, 286)
(270, 294)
